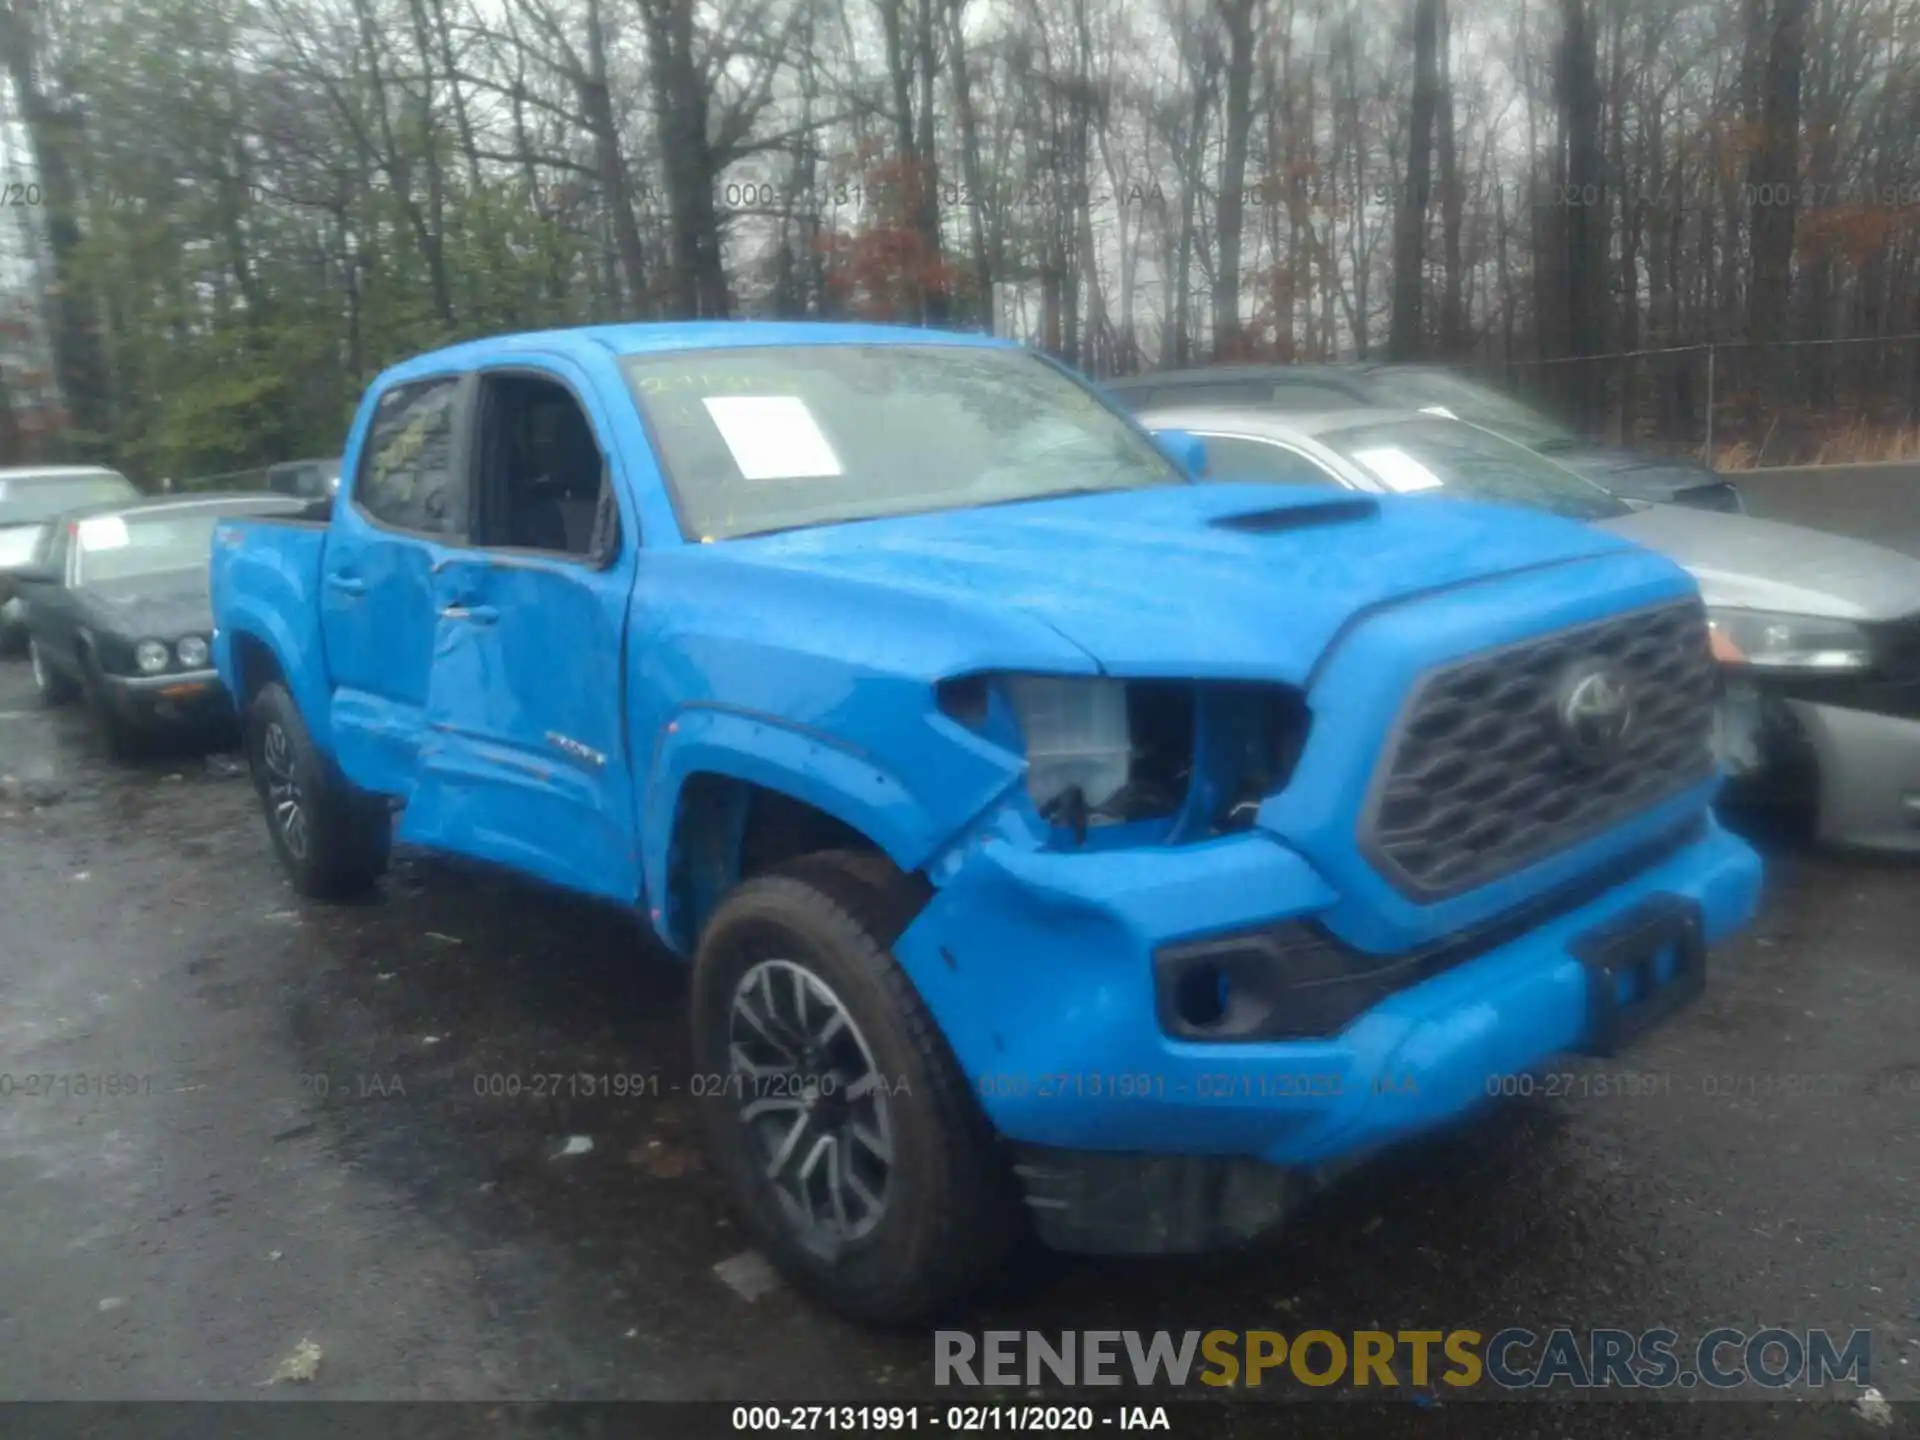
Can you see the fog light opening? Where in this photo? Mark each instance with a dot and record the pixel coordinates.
(1202, 994)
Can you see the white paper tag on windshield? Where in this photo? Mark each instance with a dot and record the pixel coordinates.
(1398, 469)
(103, 532)
(773, 437)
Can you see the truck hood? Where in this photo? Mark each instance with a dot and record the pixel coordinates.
(1189, 580)
(1754, 564)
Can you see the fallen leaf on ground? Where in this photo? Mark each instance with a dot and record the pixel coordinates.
(748, 1274)
(299, 1367)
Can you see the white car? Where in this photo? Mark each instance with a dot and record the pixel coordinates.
(1818, 634)
(30, 497)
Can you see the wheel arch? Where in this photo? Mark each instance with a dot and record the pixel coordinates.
(732, 795)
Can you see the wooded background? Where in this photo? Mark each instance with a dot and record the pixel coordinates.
(226, 215)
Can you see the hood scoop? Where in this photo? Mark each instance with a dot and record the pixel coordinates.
(1300, 517)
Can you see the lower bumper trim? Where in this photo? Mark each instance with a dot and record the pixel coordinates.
(1099, 1203)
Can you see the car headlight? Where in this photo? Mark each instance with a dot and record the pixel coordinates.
(1078, 740)
(1770, 641)
(151, 656)
(192, 652)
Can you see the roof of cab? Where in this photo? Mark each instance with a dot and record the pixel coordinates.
(584, 341)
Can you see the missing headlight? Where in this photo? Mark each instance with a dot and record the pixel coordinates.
(1105, 752)
(1255, 736)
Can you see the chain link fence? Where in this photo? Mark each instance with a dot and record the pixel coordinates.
(1737, 404)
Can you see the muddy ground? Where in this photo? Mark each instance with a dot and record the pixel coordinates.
(296, 1143)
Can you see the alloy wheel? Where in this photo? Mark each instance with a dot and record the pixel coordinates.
(816, 1108)
(285, 802)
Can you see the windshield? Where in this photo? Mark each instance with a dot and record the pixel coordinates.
(125, 547)
(1483, 405)
(30, 500)
(1436, 454)
(766, 439)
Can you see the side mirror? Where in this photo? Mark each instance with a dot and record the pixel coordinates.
(1185, 449)
(34, 575)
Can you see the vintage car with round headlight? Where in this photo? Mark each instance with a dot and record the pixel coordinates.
(116, 612)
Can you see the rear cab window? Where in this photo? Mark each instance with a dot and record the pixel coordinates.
(408, 477)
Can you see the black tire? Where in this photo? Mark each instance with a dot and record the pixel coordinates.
(951, 1212)
(334, 843)
(119, 736)
(55, 688)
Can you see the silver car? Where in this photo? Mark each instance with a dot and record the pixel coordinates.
(1819, 634)
(30, 497)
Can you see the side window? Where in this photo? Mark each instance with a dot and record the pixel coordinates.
(543, 479)
(1232, 457)
(407, 476)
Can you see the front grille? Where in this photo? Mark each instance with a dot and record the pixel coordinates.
(1478, 780)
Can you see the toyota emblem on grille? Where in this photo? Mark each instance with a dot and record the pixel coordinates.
(1596, 711)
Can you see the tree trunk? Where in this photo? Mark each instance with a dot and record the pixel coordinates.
(1583, 200)
(962, 84)
(1453, 314)
(1404, 337)
(1774, 184)
(58, 139)
(1237, 18)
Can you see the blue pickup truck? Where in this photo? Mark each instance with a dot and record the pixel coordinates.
(1057, 840)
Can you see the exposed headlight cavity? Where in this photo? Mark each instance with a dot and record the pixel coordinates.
(151, 656)
(1079, 744)
(1198, 758)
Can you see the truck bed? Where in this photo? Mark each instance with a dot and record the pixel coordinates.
(265, 578)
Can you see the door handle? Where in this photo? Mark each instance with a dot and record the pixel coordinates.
(478, 614)
(347, 584)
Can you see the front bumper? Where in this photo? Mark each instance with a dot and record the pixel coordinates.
(186, 698)
(1857, 771)
(1040, 969)
(1866, 775)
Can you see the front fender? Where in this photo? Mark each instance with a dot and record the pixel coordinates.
(299, 657)
(810, 766)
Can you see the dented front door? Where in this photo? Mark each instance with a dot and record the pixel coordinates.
(523, 759)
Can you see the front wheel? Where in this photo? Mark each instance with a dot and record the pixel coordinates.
(54, 688)
(833, 1105)
(332, 840)
(119, 736)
